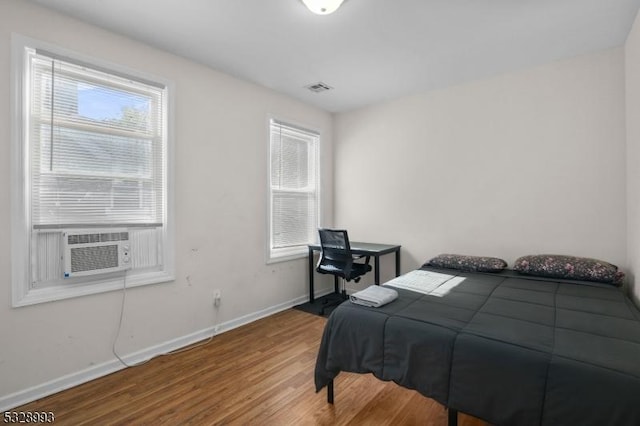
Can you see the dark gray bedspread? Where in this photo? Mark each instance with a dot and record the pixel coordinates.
(501, 347)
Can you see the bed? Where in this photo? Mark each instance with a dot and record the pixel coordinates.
(504, 347)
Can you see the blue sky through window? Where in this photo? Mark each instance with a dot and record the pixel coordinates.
(105, 104)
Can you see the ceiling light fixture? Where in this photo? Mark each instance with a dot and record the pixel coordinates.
(323, 7)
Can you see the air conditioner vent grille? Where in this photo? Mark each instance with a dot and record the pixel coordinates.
(103, 237)
(94, 258)
(318, 87)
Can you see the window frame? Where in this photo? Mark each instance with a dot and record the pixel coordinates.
(275, 255)
(23, 231)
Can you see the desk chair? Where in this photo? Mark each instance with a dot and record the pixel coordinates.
(336, 259)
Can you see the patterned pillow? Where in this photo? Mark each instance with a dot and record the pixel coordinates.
(571, 267)
(468, 263)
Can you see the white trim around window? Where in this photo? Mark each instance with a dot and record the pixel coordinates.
(293, 186)
(36, 248)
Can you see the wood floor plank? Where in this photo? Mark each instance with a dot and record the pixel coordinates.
(261, 374)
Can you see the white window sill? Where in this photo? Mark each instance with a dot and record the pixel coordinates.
(286, 256)
(114, 282)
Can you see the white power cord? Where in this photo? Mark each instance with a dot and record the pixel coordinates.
(177, 351)
(113, 346)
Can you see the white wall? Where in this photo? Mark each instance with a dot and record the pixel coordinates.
(632, 74)
(523, 163)
(221, 140)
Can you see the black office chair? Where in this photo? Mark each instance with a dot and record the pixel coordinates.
(336, 259)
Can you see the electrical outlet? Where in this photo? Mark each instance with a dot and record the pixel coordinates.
(216, 297)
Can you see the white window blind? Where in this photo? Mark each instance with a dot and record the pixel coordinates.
(294, 193)
(97, 146)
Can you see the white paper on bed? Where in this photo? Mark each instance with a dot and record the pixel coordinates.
(374, 296)
(420, 281)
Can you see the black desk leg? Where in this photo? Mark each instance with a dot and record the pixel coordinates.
(398, 263)
(330, 392)
(311, 296)
(453, 417)
(376, 262)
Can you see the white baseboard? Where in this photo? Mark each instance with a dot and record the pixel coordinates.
(74, 379)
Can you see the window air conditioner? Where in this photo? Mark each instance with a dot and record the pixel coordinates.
(95, 251)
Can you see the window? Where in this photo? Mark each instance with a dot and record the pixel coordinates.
(91, 150)
(293, 190)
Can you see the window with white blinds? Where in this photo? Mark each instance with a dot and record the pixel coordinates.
(90, 150)
(97, 146)
(294, 189)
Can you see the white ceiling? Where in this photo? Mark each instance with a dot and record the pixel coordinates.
(369, 50)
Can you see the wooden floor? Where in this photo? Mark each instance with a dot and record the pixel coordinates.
(258, 374)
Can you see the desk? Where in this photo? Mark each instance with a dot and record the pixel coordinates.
(367, 249)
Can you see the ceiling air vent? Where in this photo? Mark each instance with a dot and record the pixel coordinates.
(319, 87)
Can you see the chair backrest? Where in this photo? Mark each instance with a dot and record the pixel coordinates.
(335, 247)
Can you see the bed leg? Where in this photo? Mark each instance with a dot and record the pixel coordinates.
(453, 417)
(330, 392)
